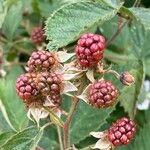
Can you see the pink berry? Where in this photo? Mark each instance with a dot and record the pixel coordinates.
(102, 94)
(124, 133)
(37, 35)
(89, 49)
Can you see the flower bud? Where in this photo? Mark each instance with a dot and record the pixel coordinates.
(126, 78)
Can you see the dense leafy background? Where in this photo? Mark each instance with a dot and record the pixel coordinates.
(65, 21)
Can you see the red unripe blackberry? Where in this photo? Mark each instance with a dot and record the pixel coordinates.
(41, 61)
(50, 84)
(121, 132)
(89, 49)
(26, 87)
(37, 35)
(102, 94)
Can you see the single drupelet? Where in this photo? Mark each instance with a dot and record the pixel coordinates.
(102, 94)
(121, 132)
(89, 49)
(37, 35)
(41, 61)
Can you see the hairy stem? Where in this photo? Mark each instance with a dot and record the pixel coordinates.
(120, 26)
(60, 138)
(68, 121)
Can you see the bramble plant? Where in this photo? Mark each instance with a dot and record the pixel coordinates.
(72, 75)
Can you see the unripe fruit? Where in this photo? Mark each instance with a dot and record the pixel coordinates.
(41, 61)
(121, 132)
(89, 49)
(26, 87)
(37, 35)
(102, 94)
(50, 84)
(126, 78)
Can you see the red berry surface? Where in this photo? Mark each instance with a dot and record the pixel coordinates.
(89, 49)
(102, 94)
(121, 132)
(37, 35)
(26, 87)
(50, 84)
(41, 61)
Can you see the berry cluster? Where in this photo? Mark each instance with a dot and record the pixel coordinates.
(39, 83)
(42, 84)
(26, 87)
(89, 49)
(50, 84)
(37, 35)
(102, 94)
(121, 132)
(41, 60)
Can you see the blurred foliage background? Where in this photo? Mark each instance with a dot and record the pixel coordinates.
(130, 51)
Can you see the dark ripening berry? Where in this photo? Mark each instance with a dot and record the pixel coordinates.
(37, 35)
(50, 84)
(26, 87)
(89, 49)
(41, 61)
(102, 94)
(121, 132)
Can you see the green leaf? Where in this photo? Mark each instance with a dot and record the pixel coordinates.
(142, 15)
(4, 126)
(137, 13)
(147, 64)
(139, 40)
(12, 20)
(117, 58)
(11, 106)
(5, 136)
(130, 95)
(3, 12)
(67, 23)
(49, 139)
(87, 119)
(23, 140)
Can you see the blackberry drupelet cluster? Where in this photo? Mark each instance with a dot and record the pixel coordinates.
(26, 87)
(121, 132)
(37, 35)
(40, 83)
(102, 94)
(89, 49)
(50, 84)
(41, 61)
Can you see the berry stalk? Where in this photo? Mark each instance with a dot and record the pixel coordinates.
(68, 122)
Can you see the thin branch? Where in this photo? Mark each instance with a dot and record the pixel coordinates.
(68, 121)
(117, 32)
(60, 138)
(136, 3)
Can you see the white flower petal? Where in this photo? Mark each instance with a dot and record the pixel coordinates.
(90, 75)
(37, 113)
(48, 102)
(64, 56)
(102, 145)
(70, 76)
(84, 95)
(98, 135)
(69, 87)
(58, 69)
